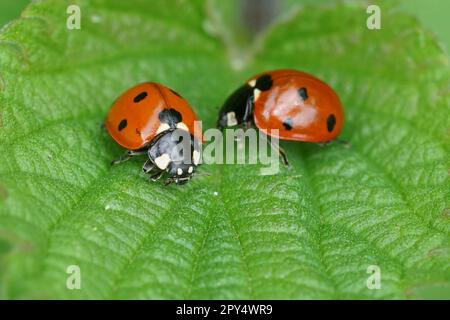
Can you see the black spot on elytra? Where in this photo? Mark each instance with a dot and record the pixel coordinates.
(175, 93)
(331, 122)
(123, 124)
(141, 96)
(303, 93)
(264, 82)
(288, 124)
(170, 116)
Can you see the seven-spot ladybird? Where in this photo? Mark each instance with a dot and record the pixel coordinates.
(300, 106)
(153, 119)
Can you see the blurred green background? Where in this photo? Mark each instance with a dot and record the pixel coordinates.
(10, 9)
(432, 13)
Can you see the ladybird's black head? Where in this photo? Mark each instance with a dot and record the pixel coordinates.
(177, 152)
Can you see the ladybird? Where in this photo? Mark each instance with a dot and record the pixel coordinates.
(301, 106)
(153, 119)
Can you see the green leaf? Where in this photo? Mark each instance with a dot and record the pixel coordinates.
(308, 232)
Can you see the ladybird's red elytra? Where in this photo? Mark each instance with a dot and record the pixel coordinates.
(144, 119)
(301, 106)
(134, 118)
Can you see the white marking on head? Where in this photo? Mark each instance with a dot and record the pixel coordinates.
(256, 94)
(163, 161)
(182, 126)
(231, 119)
(162, 127)
(180, 171)
(191, 168)
(196, 157)
(252, 83)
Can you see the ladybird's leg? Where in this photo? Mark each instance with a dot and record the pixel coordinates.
(181, 181)
(128, 155)
(156, 176)
(343, 142)
(248, 114)
(245, 126)
(148, 166)
(168, 181)
(323, 144)
(248, 125)
(281, 153)
(283, 156)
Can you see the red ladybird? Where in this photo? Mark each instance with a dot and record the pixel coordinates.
(300, 106)
(144, 120)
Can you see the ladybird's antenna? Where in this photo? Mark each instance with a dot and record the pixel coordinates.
(202, 174)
